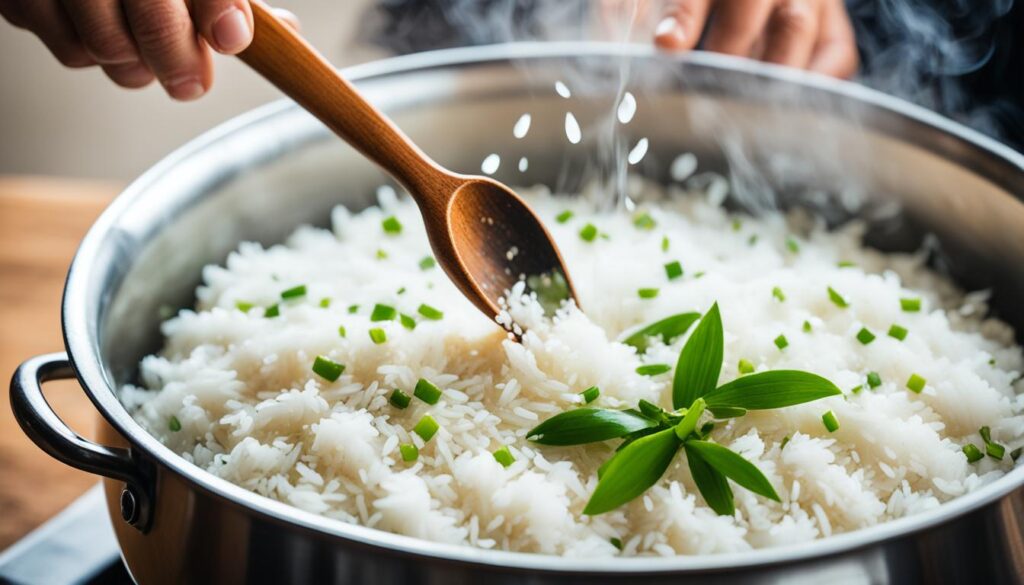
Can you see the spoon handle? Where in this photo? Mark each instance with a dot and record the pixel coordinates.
(285, 59)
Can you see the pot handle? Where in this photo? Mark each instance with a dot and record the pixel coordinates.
(42, 425)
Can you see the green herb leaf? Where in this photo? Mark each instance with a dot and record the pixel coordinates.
(710, 482)
(668, 328)
(700, 362)
(773, 389)
(722, 412)
(632, 470)
(564, 216)
(733, 466)
(673, 270)
(587, 425)
(427, 263)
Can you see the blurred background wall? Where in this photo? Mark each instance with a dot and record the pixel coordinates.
(57, 121)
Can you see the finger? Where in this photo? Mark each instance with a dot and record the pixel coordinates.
(170, 46)
(225, 24)
(12, 13)
(736, 25)
(130, 75)
(101, 26)
(835, 53)
(681, 28)
(792, 32)
(47, 19)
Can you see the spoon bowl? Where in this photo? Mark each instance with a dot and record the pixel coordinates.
(498, 241)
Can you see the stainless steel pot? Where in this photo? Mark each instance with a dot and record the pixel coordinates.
(838, 147)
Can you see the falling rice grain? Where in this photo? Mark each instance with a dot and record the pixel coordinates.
(491, 164)
(627, 108)
(522, 126)
(639, 151)
(572, 129)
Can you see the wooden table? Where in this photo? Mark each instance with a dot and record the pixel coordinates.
(42, 221)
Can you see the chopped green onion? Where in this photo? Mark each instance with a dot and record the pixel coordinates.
(995, 450)
(616, 542)
(400, 399)
(243, 306)
(916, 383)
(327, 368)
(792, 245)
(427, 263)
(785, 441)
(752, 239)
(745, 367)
(391, 225)
(972, 452)
(272, 311)
(644, 221)
(910, 305)
(427, 392)
(865, 336)
(383, 313)
(778, 294)
(407, 321)
(874, 380)
(838, 299)
(564, 216)
(325, 302)
(429, 312)
(400, 291)
(409, 452)
(807, 327)
(898, 332)
(588, 233)
(664, 243)
(590, 394)
(504, 456)
(1015, 454)
(352, 309)
(426, 428)
(378, 335)
(986, 434)
(673, 270)
(381, 254)
(845, 264)
(653, 369)
(647, 293)
(294, 292)
(781, 342)
(174, 424)
(830, 421)
(699, 274)
(856, 389)
(736, 224)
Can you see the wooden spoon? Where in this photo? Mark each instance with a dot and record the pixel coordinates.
(483, 235)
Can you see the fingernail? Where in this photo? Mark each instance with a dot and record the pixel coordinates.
(669, 30)
(231, 31)
(185, 88)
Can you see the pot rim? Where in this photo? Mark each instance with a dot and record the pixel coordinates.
(84, 351)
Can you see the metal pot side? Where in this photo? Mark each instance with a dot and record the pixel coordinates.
(838, 148)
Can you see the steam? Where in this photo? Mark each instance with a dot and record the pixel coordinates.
(916, 52)
(910, 48)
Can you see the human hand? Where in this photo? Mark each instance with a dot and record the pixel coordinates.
(808, 34)
(137, 41)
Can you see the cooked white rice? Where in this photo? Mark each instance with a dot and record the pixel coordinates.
(252, 411)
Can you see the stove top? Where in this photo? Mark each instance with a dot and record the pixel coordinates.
(75, 547)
